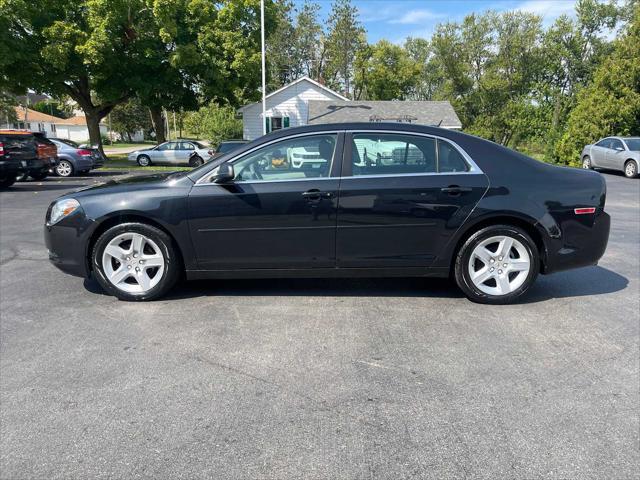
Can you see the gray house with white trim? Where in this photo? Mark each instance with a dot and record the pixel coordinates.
(305, 102)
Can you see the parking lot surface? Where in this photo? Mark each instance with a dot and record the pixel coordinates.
(278, 379)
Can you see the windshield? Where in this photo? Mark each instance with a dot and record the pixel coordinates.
(633, 144)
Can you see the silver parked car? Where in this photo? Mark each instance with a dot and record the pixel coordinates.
(614, 153)
(175, 152)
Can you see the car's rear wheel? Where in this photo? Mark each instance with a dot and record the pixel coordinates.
(586, 162)
(64, 168)
(39, 175)
(195, 161)
(630, 169)
(6, 182)
(497, 264)
(135, 261)
(144, 160)
(22, 177)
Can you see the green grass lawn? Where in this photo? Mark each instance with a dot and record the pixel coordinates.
(125, 146)
(120, 162)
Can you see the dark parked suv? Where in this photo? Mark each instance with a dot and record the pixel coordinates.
(17, 148)
(25, 154)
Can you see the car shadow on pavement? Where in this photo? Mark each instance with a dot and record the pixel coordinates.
(581, 282)
(576, 283)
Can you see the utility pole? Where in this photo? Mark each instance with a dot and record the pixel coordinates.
(264, 75)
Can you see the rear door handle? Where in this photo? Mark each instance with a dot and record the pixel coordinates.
(455, 189)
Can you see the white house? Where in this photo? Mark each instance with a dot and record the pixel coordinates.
(74, 128)
(286, 107)
(305, 102)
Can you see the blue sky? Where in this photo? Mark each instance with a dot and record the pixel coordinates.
(396, 20)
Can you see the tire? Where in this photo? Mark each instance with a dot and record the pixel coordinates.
(157, 245)
(517, 279)
(22, 177)
(630, 169)
(39, 175)
(6, 182)
(195, 161)
(64, 168)
(144, 160)
(586, 163)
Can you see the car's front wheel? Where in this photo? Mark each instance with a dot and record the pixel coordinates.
(144, 160)
(135, 261)
(586, 162)
(64, 168)
(630, 169)
(497, 264)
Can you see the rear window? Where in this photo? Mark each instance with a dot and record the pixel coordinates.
(633, 144)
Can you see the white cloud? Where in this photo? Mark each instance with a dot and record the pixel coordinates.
(413, 17)
(549, 10)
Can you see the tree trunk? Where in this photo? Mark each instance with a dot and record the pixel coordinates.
(158, 124)
(93, 124)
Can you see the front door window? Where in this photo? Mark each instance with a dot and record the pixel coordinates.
(297, 158)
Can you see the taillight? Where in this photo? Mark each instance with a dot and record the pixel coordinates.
(584, 211)
(1, 148)
(83, 152)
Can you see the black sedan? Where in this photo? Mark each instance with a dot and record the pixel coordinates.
(372, 199)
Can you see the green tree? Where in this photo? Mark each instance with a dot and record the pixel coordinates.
(102, 52)
(130, 117)
(214, 123)
(611, 103)
(8, 106)
(53, 107)
(385, 71)
(344, 38)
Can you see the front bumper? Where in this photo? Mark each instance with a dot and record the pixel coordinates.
(38, 165)
(67, 243)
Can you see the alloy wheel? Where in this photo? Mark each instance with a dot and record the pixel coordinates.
(630, 169)
(64, 169)
(499, 265)
(586, 163)
(133, 263)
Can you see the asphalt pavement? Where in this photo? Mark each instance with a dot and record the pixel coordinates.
(317, 379)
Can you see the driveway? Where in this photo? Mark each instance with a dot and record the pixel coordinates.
(275, 379)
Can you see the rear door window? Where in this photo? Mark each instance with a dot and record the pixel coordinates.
(401, 154)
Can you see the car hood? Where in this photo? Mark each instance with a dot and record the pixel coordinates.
(133, 183)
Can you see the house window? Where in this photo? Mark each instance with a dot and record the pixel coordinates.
(276, 123)
(41, 127)
(53, 128)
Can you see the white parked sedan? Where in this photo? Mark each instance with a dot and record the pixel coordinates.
(615, 153)
(175, 152)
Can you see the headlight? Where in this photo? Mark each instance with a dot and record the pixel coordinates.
(63, 208)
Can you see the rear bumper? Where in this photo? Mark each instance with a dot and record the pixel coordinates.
(10, 168)
(582, 242)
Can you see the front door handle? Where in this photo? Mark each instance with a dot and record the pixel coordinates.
(455, 189)
(316, 194)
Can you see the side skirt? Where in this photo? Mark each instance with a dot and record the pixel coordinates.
(319, 273)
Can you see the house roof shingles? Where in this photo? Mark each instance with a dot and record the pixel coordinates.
(35, 116)
(421, 112)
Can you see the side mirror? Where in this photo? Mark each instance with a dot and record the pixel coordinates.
(225, 174)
